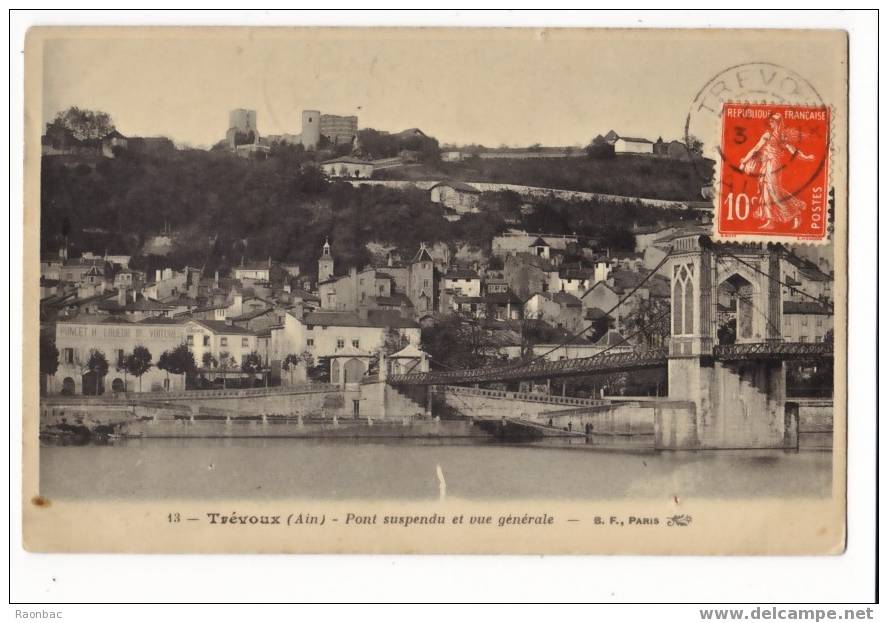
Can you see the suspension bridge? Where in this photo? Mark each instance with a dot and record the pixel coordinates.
(720, 395)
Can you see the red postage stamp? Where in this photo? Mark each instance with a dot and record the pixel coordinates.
(774, 173)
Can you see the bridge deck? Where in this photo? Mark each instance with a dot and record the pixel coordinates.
(614, 362)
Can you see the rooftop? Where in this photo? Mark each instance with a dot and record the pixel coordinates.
(461, 273)
(347, 160)
(456, 185)
(806, 307)
(378, 318)
(220, 327)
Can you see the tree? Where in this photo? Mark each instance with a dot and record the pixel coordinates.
(226, 363)
(49, 356)
(164, 363)
(177, 361)
(459, 341)
(599, 148)
(209, 362)
(138, 363)
(394, 341)
(695, 146)
(600, 326)
(320, 371)
(84, 124)
(98, 365)
(292, 360)
(251, 364)
(649, 319)
(244, 138)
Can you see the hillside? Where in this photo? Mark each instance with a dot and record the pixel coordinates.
(222, 208)
(628, 175)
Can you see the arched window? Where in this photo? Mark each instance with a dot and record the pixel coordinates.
(677, 307)
(334, 371)
(117, 385)
(689, 307)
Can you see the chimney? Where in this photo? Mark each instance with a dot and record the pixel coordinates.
(228, 321)
(134, 296)
(269, 261)
(121, 296)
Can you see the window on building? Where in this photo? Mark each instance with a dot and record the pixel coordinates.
(340, 343)
(245, 342)
(223, 341)
(190, 340)
(819, 321)
(818, 338)
(803, 338)
(804, 321)
(68, 356)
(310, 342)
(356, 343)
(206, 340)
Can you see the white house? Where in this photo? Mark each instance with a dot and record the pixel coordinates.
(324, 333)
(257, 271)
(348, 166)
(458, 196)
(630, 145)
(806, 321)
(218, 337)
(463, 282)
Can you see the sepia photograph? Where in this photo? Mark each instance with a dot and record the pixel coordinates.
(435, 290)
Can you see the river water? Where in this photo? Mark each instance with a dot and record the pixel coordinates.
(148, 469)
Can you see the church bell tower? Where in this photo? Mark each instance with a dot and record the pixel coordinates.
(325, 263)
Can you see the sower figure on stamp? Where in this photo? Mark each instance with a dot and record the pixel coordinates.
(765, 160)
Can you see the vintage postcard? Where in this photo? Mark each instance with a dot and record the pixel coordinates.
(426, 290)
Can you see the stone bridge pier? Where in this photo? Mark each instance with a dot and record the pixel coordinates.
(733, 294)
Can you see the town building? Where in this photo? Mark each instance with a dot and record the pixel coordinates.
(74, 270)
(222, 339)
(113, 142)
(806, 321)
(632, 145)
(130, 305)
(325, 263)
(324, 333)
(414, 279)
(460, 197)
(348, 167)
(628, 144)
(254, 271)
(339, 129)
(51, 267)
(559, 309)
(463, 282)
(115, 337)
(242, 128)
(675, 150)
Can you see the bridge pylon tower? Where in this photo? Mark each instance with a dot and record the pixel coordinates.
(726, 293)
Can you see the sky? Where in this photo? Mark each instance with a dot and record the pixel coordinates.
(499, 86)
